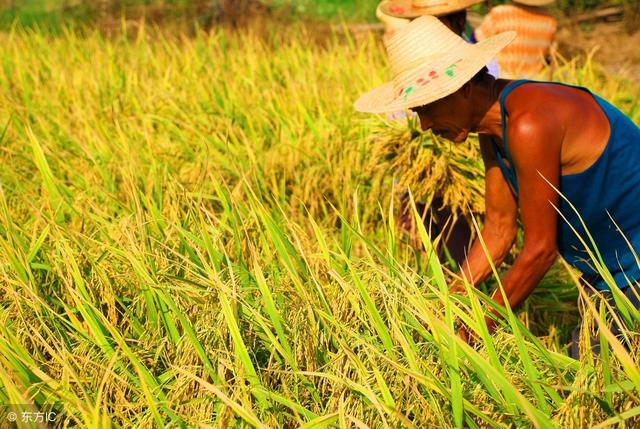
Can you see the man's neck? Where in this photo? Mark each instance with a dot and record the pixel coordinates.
(490, 122)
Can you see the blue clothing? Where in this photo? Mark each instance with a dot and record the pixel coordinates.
(608, 189)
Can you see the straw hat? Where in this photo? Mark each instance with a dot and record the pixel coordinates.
(415, 8)
(390, 23)
(534, 2)
(428, 62)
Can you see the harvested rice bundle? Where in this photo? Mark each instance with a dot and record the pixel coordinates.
(429, 166)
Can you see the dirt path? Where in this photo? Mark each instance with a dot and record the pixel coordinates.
(617, 51)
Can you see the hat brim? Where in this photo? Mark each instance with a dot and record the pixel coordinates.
(405, 9)
(432, 81)
(534, 2)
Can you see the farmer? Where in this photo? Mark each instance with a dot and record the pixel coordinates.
(532, 49)
(438, 218)
(540, 137)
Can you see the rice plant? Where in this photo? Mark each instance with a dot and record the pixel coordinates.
(196, 232)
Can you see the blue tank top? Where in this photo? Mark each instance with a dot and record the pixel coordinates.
(604, 195)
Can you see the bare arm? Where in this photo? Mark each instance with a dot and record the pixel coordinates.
(499, 228)
(535, 143)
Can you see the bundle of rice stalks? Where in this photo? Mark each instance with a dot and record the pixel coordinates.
(429, 166)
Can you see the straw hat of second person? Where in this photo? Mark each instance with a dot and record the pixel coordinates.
(390, 23)
(415, 8)
(428, 62)
(534, 2)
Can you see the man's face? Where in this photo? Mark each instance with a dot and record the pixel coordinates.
(447, 117)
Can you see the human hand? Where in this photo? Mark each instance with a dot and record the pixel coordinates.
(491, 324)
(469, 336)
(465, 334)
(457, 287)
(456, 283)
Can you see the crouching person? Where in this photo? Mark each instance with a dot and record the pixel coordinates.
(539, 138)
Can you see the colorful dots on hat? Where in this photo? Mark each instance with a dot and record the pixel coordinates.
(450, 69)
(407, 92)
(428, 77)
(396, 9)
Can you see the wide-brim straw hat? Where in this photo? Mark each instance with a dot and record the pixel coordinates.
(534, 2)
(390, 23)
(428, 62)
(415, 8)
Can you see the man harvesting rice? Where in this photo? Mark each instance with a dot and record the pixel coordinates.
(455, 229)
(540, 137)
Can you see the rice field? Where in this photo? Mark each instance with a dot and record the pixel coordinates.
(200, 232)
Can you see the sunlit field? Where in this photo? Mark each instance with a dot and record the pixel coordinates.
(201, 232)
